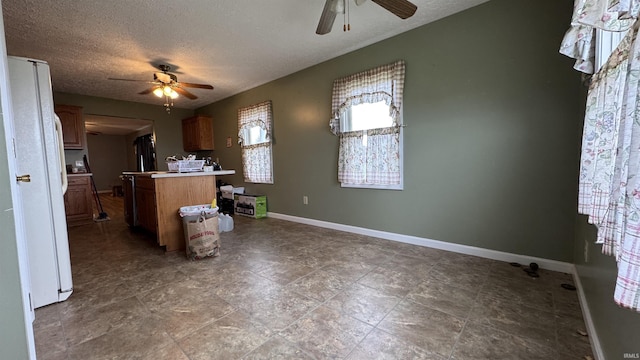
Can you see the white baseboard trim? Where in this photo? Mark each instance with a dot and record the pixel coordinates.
(553, 265)
(588, 320)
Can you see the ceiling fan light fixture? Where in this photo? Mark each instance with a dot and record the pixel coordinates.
(165, 85)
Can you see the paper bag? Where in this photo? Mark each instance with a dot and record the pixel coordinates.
(203, 238)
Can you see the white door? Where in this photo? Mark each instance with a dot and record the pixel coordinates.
(7, 119)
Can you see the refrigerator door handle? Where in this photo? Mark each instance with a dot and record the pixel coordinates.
(63, 166)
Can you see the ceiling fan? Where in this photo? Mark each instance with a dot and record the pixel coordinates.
(401, 8)
(166, 84)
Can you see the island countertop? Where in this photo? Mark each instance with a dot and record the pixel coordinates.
(167, 174)
(79, 174)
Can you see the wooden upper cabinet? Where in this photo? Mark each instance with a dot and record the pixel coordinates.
(72, 126)
(197, 133)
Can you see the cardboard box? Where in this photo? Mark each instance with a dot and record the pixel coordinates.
(228, 191)
(254, 206)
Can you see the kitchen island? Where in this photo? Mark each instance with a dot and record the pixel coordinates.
(154, 198)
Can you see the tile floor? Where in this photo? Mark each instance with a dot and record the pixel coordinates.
(291, 291)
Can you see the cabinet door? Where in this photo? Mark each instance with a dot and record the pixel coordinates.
(78, 201)
(142, 213)
(129, 203)
(72, 126)
(197, 133)
(189, 134)
(146, 203)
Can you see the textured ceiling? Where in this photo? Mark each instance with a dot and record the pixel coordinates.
(233, 45)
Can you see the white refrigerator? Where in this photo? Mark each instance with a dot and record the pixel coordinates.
(40, 155)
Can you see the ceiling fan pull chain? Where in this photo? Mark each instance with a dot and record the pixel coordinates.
(344, 15)
(348, 15)
(401, 8)
(346, 20)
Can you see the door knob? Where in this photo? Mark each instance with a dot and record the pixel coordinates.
(24, 178)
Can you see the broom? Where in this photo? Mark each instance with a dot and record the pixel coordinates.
(102, 216)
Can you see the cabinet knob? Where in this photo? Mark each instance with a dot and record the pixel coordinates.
(23, 178)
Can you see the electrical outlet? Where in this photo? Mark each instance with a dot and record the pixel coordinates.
(305, 200)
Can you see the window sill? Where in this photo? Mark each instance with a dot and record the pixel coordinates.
(399, 187)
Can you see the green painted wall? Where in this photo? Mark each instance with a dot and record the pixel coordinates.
(618, 329)
(491, 110)
(167, 127)
(108, 154)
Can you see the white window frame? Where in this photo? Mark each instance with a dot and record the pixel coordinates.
(606, 43)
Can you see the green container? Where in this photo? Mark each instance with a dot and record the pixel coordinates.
(254, 206)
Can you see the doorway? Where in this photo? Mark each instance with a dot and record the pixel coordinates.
(111, 146)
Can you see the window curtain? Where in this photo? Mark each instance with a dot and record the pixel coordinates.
(609, 182)
(370, 157)
(256, 158)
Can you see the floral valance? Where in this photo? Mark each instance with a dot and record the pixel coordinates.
(588, 15)
(384, 83)
(255, 115)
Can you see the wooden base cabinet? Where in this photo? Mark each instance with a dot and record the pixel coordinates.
(146, 203)
(78, 200)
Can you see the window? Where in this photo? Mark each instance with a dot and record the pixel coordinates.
(254, 137)
(367, 117)
(606, 43)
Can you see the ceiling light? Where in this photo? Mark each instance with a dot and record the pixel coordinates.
(168, 93)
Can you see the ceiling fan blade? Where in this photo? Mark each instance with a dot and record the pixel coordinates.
(327, 18)
(198, 86)
(184, 92)
(148, 91)
(401, 8)
(128, 80)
